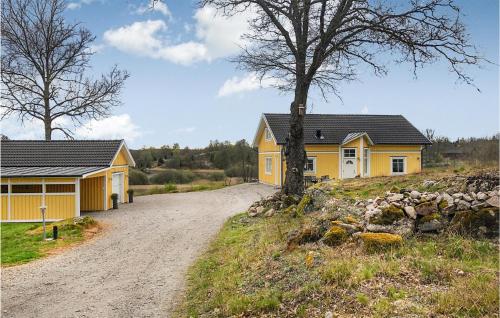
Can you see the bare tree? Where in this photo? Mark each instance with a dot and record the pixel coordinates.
(305, 43)
(43, 63)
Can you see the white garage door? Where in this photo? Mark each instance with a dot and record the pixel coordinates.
(117, 186)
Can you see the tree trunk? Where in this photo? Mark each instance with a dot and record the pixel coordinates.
(48, 130)
(295, 160)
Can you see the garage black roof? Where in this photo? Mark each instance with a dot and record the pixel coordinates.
(58, 153)
(382, 129)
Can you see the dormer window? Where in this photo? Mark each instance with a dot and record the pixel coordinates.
(319, 134)
(267, 133)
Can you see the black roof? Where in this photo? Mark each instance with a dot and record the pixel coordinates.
(58, 153)
(382, 129)
(19, 172)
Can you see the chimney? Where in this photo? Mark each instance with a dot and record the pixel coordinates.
(319, 135)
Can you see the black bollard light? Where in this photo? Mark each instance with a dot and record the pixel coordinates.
(55, 232)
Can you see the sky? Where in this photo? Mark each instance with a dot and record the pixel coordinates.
(183, 88)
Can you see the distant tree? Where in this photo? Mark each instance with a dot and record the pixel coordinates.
(43, 63)
(321, 42)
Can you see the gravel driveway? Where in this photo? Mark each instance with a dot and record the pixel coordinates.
(136, 268)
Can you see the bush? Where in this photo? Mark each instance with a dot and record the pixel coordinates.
(173, 176)
(136, 177)
(212, 176)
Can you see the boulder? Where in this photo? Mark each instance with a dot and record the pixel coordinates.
(467, 198)
(335, 236)
(269, 213)
(259, 210)
(463, 205)
(494, 201)
(484, 222)
(457, 195)
(395, 197)
(426, 208)
(410, 211)
(380, 240)
(481, 196)
(428, 183)
(431, 226)
(388, 215)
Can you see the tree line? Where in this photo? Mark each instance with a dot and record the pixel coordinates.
(482, 150)
(237, 159)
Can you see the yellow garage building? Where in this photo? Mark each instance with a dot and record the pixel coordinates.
(341, 146)
(64, 176)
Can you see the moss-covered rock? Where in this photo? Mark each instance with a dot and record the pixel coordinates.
(430, 217)
(351, 219)
(301, 208)
(335, 235)
(308, 233)
(484, 221)
(374, 241)
(389, 215)
(442, 205)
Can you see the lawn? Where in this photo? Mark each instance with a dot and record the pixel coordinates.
(22, 242)
(248, 271)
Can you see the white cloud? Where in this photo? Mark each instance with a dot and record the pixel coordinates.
(113, 127)
(138, 38)
(215, 36)
(155, 6)
(74, 5)
(364, 110)
(250, 82)
(78, 4)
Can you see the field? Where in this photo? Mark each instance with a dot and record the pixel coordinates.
(23, 242)
(198, 185)
(248, 271)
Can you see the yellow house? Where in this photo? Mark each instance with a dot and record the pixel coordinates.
(341, 146)
(64, 176)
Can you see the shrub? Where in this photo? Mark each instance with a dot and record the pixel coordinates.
(173, 176)
(136, 177)
(212, 176)
(380, 240)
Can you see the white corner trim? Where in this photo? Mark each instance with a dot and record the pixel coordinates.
(77, 197)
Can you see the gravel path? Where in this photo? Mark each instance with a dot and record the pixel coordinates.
(136, 268)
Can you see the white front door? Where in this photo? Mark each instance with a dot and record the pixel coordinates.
(349, 164)
(117, 185)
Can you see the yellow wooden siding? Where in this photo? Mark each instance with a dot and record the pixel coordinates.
(274, 177)
(121, 158)
(4, 207)
(92, 194)
(60, 206)
(25, 207)
(328, 156)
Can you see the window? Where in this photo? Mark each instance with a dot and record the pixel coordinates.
(310, 165)
(5, 188)
(366, 160)
(349, 153)
(269, 165)
(26, 188)
(398, 165)
(59, 188)
(268, 134)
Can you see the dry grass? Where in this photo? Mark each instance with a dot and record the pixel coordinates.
(248, 272)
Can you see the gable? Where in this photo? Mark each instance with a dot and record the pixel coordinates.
(122, 158)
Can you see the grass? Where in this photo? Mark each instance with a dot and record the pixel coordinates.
(202, 185)
(22, 242)
(247, 271)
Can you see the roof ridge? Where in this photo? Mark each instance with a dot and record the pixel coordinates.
(394, 115)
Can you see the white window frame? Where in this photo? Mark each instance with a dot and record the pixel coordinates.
(343, 153)
(270, 171)
(404, 166)
(267, 134)
(314, 166)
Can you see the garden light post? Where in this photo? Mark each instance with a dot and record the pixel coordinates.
(43, 209)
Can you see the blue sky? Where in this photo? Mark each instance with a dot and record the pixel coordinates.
(182, 88)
